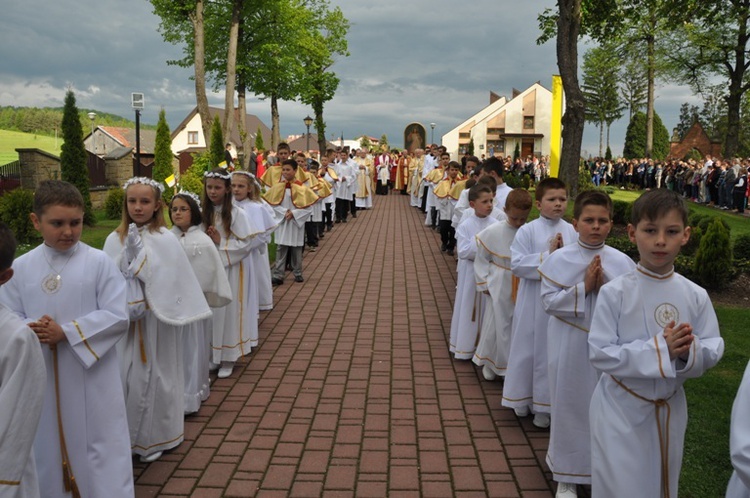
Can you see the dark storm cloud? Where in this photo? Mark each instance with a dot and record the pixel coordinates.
(421, 60)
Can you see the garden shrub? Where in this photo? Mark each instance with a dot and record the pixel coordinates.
(620, 212)
(689, 249)
(624, 245)
(113, 203)
(704, 223)
(526, 181)
(741, 248)
(15, 207)
(712, 265)
(511, 179)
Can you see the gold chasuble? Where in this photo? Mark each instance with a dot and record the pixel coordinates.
(272, 176)
(302, 196)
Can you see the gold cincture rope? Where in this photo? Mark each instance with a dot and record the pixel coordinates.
(69, 480)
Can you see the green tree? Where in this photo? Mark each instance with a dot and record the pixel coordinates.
(217, 142)
(635, 138)
(517, 151)
(259, 140)
(182, 22)
(715, 41)
(73, 156)
(364, 142)
(688, 117)
(603, 106)
(384, 142)
(326, 39)
(163, 156)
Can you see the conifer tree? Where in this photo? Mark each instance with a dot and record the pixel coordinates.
(713, 259)
(163, 154)
(217, 143)
(73, 154)
(259, 140)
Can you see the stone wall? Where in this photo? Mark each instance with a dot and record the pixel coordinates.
(118, 171)
(37, 165)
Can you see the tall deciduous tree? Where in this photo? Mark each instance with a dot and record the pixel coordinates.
(326, 39)
(182, 21)
(73, 157)
(688, 117)
(715, 42)
(163, 153)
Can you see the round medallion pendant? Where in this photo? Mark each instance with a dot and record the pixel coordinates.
(51, 283)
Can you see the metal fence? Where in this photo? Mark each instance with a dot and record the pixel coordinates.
(10, 176)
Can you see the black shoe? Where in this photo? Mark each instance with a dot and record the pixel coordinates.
(337, 221)
(321, 235)
(276, 281)
(343, 221)
(450, 252)
(328, 228)
(443, 248)
(299, 278)
(354, 216)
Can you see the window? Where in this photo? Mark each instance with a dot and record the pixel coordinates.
(193, 137)
(528, 122)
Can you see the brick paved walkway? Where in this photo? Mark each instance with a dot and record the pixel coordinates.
(352, 391)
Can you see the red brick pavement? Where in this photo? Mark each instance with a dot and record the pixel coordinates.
(352, 391)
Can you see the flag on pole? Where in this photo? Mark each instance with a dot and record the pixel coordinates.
(170, 180)
(556, 126)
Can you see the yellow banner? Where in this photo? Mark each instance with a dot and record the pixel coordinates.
(555, 135)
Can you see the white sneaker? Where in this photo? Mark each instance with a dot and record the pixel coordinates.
(566, 490)
(541, 420)
(522, 411)
(487, 373)
(212, 367)
(226, 369)
(151, 458)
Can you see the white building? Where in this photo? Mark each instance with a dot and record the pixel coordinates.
(496, 129)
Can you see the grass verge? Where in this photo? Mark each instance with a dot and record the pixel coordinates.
(706, 466)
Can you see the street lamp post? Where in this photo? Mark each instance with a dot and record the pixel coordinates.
(432, 133)
(308, 121)
(92, 117)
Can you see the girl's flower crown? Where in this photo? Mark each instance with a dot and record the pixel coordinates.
(144, 181)
(223, 176)
(192, 196)
(251, 176)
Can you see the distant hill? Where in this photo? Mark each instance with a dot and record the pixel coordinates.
(46, 120)
(12, 140)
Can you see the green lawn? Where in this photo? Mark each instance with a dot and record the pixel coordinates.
(12, 140)
(706, 467)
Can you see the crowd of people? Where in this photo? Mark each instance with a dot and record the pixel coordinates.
(107, 351)
(104, 352)
(712, 181)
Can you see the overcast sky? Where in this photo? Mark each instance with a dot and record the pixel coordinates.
(417, 60)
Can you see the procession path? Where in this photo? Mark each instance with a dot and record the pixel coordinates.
(352, 391)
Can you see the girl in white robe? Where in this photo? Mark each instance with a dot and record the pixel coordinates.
(164, 296)
(235, 326)
(246, 192)
(184, 211)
